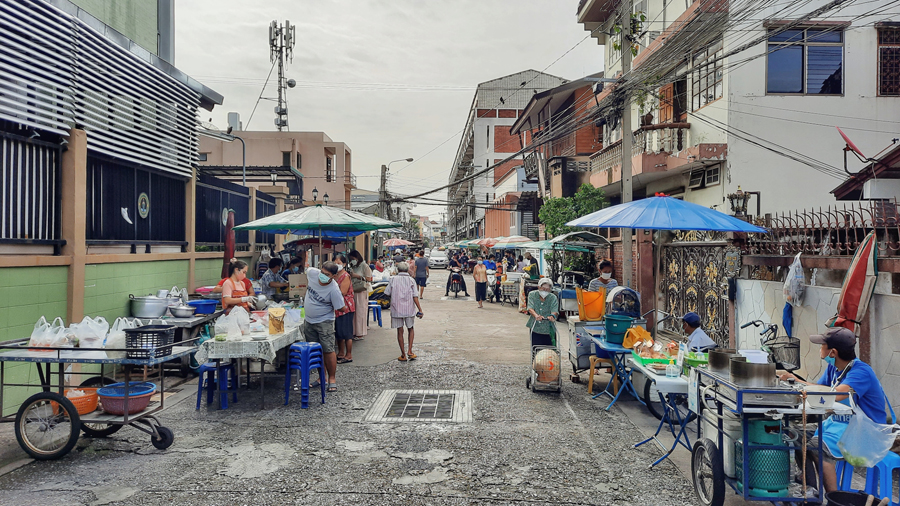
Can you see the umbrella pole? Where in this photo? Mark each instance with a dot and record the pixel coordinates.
(320, 247)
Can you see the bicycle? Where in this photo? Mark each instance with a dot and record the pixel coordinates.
(783, 351)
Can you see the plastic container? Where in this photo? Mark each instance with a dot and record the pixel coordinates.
(112, 397)
(204, 306)
(616, 327)
(153, 340)
(672, 370)
(84, 404)
(816, 399)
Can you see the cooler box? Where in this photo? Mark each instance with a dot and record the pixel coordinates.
(568, 301)
(579, 343)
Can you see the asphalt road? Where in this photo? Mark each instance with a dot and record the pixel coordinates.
(520, 448)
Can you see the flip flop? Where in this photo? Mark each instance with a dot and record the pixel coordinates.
(402, 358)
(332, 387)
(357, 338)
(412, 356)
(344, 360)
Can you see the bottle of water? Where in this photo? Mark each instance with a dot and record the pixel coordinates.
(672, 370)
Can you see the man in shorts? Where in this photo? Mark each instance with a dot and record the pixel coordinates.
(323, 297)
(404, 303)
(422, 272)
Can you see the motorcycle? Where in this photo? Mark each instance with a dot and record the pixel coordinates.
(491, 283)
(455, 281)
(379, 296)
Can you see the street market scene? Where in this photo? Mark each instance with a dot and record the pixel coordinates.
(671, 277)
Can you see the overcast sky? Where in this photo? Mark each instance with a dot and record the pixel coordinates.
(392, 79)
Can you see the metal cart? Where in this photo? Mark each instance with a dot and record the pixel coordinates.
(761, 469)
(533, 381)
(509, 292)
(47, 424)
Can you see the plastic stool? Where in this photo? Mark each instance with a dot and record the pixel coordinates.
(224, 374)
(304, 357)
(879, 479)
(375, 312)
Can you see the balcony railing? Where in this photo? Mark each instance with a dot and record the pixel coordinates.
(650, 139)
(350, 178)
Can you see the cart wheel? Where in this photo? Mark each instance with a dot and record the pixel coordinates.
(708, 473)
(654, 406)
(47, 426)
(166, 438)
(575, 378)
(97, 382)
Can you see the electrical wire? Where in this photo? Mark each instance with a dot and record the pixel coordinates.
(260, 95)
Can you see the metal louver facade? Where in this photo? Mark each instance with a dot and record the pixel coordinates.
(58, 71)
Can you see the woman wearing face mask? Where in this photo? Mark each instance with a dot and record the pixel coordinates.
(543, 308)
(605, 280)
(360, 274)
(343, 318)
(295, 266)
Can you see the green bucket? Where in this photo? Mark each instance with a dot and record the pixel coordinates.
(616, 327)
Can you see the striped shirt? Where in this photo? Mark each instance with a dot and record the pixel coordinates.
(402, 290)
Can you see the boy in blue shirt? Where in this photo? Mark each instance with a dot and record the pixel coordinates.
(844, 372)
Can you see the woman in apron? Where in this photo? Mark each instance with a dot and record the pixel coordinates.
(234, 291)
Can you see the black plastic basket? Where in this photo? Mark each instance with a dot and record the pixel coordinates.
(785, 352)
(154, 341)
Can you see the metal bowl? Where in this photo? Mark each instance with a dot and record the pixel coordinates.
(182, 311)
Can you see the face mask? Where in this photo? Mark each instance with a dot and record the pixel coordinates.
(324, 279)
(606, 275)
(829, 360)
(543, 294)
(480, 262)
(353, 263)
(295, 270)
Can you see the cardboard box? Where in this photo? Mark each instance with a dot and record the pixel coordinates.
(297, 285)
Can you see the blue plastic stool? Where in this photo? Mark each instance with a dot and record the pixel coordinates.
(226, 373)
(879, 479)
(304, 357)
(375, 312)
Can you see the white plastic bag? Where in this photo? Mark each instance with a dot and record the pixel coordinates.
(242, 317)
(293, 318)
(91, 332)
(227, 328)
(793, 283)
(864, 442)
(116, 338)
(39, 334)
(58, 336)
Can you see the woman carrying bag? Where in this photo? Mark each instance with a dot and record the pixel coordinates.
(360, 276)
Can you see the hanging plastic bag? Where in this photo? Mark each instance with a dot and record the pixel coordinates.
(39, 334)
(793, 283)
(864, 442)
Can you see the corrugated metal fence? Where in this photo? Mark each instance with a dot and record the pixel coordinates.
(29, 190)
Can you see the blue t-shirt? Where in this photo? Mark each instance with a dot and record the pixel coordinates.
(489, 264)
(861, 378)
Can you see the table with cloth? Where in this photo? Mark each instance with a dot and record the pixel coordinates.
(248, 348)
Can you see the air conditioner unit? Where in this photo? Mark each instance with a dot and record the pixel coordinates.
(696, 180)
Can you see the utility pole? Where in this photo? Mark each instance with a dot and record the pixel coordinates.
(382, 195)
(627, 141)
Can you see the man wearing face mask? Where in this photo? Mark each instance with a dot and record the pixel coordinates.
(323, 298)
(271, 281)
(843, 373)
(605, 280)
(543, 308)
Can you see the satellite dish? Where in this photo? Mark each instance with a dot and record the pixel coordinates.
(850, 144)
(291, 83)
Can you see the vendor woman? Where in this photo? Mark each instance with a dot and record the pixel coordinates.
(234, 292)
(543, 307)
(844, 373)
(605, 279)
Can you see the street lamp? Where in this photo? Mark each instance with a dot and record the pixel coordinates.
(315, 193)
(400, 160)
(274, 176)
(325, 199)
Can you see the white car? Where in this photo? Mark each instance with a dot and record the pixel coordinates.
(438, 260)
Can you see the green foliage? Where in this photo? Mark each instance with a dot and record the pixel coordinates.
(557, 211)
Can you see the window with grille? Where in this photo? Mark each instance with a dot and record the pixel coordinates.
(806, 61)
(706, 79)
(712, 176)
(889, 62)
(329, 170)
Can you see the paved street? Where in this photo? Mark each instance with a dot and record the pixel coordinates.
(521, 447)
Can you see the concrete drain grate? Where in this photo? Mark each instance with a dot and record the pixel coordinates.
(421, 406)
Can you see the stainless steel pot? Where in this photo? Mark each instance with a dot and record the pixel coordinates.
(748, 374)
(719, 360)
(182, 311)
(148, 307)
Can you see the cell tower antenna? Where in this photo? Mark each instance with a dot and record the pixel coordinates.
(281, 48)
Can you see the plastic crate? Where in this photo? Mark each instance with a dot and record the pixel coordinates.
(647, 361)
(154, 341)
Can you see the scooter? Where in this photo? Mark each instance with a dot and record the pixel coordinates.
(455, 281)
(491, 283)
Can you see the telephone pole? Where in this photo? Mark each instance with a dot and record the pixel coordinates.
(382, 195)
(627, 141)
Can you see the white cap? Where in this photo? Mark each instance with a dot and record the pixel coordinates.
(545, 281)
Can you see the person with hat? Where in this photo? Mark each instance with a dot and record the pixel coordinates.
(543, 309)
(844, 372)
(697, 338)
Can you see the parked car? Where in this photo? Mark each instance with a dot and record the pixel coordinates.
(438, 260)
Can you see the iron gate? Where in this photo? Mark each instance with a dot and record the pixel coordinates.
(693, 278)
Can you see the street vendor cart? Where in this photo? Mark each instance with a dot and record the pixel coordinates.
(48, 423)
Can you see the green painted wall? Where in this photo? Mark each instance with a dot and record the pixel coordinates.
(32, 292)
(208, 271)
(107, 286)
(135, 19)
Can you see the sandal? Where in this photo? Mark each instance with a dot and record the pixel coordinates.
(402, 358)
(412, 356)
(332, 387)
(359, 338)
(343, 360)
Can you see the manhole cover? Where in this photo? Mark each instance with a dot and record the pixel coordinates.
(421, 406)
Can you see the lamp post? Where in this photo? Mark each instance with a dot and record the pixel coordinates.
(325, 199)
(382, 194)
(315, 194)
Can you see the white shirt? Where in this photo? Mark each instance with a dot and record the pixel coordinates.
(698, 339)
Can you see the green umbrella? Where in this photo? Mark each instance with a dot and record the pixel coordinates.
(550, 244)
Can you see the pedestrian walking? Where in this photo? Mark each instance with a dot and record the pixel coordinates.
(543, 311)
(323, 298)
(480, 275)
(421, 273)
(404, 303)
(360, 276)
(343, 318)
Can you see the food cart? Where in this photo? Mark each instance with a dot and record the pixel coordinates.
(48, 423)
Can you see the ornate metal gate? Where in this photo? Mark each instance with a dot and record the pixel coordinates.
(693, 279)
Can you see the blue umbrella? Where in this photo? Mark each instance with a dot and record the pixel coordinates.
(664, 213)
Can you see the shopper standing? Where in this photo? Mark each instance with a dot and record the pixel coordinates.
(360, 276)
(323, 298)
(404, 303)
(343, 318)
(480, 275)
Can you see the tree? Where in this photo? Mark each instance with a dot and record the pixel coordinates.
(557, 211)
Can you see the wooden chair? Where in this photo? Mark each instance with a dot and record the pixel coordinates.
(595, 362)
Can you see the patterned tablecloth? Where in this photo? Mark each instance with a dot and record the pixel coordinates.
(247, 347)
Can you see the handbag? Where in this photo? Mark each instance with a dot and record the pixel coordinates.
(359, 284)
